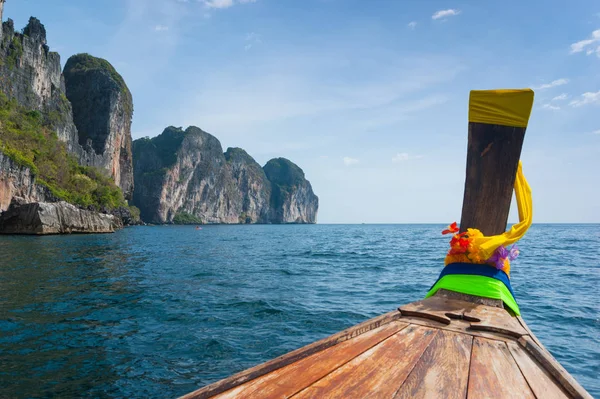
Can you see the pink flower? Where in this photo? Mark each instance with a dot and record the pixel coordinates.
(498, 257)
(514, 252)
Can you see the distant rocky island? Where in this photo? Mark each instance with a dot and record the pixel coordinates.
(183, 176)
(68, 163)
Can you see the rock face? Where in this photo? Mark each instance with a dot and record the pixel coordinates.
(31, 74)
(252, 184)
(95, 122)
(292, 198)
(102, 112)
(183, 176)
(23, 217)
(184, 172)
(18, 181)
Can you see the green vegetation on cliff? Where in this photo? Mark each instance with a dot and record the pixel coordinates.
(163, 146)
(186, 218)
(84, 63)
(29, 142)
(284, 176)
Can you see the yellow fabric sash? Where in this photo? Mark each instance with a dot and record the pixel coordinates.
(487, 245)
(501, 107)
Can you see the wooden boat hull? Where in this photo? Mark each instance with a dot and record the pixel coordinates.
(438, 347)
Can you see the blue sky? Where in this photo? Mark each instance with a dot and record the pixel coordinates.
(370, 98)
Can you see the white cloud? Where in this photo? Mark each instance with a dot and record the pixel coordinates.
(554, 83)
(412, 24)
(445, 13)
(161, 28)
(403, 156)
(277, 88)
(581, 45)
(251, 39)
(586, 98)
(224, 3)
(596, 131)
(561, 97)
(550, 106)
(350, 161)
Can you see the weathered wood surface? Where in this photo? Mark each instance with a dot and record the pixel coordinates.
(497, 303)
(399, 355)
(540, 381)
(493, 154)
(491, 319)
(494, 373)
(377, 373)
(482, 318)
(437, 308)
(443, 370)
(287, 381)
(291, 357)
(565, 379)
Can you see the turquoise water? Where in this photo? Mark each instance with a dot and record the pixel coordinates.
(160, 311)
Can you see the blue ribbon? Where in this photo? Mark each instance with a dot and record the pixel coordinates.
(477, 270)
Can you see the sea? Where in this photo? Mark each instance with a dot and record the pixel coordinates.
(159, 311)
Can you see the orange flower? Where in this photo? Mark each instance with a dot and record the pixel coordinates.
(453, 228)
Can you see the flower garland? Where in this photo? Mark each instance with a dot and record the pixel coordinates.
(463, 249)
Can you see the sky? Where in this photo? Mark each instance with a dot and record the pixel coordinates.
(369, 98)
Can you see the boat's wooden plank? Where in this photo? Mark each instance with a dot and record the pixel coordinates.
(378, 372)
(493, 372)
(539, 380)
(286, 381)
(494, 320)
(443, 370)
(437, 308)
(281, 361)
(459, 326)
(526, 327)
(554, 368)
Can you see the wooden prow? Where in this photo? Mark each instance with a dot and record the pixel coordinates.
(493, 153)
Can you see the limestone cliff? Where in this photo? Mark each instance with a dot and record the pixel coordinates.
(24, 217)
(292, 198)
(184, 177)
(100, 106)
(184, 173)
(252, 184)
(31, 74)
(18, 181)
(102, 111)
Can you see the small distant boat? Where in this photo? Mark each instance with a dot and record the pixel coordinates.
(452, 344)
(198, 228)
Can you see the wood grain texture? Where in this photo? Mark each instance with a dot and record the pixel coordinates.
(377, 373)
(493, 372)
(443, 370)
(540, 381)
(281, 361)
(495, 320)
(553, 367)
(286, 381)
(438, 308)
(497, 303)
(493, 154)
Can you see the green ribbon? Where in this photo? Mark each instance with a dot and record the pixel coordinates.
(483, 286)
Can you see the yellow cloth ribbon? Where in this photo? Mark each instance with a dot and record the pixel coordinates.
(501, 107)
(487, 245)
